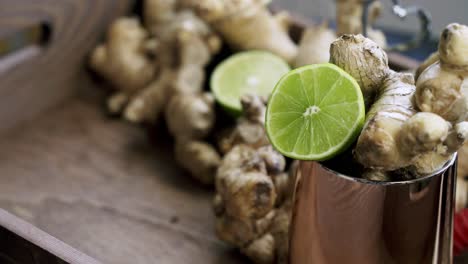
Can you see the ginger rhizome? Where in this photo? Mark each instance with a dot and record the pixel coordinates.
(247, 25)
(249, 129)
(248, 212)
(442, 88)
(190, 119)
(149, 65)
(159, 71)
(125, 59)
(314, 45)
(442, 84)
(316, 40)
(253, 191)
(396, 136)
(349, 19)
(186, 46)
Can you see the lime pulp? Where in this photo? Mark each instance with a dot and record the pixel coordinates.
(315, 112)
(254, 72)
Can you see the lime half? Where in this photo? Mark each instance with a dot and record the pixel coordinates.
(315, 112)
(254, 72)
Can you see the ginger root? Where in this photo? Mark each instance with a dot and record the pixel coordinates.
(247, 25)
(186, 48)
(253, 191)
(367, 56)
(158, 13)
(442, 84)
(314, 45)
(434, 57)
(395, 136)
(378, 145)
(199, 158)
(349, 19)
(244, 185)
(248, 214)
(190, 116)
(160, 70)
(441, 87)
(149, 65)
(250, 128)
(124, 59)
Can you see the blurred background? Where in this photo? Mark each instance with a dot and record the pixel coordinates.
(396, 30)
(443, 12)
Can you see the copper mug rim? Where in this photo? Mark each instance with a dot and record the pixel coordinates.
(388, 183)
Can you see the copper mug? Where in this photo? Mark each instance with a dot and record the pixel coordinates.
(339, 219)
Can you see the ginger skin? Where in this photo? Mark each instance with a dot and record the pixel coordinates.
(187, 44)
(252, 193)
(181, 45)
(367, 55)
(249, 129)
(243, 183)
(158, 13)
(147, 71)
(395, 136)
(314, 43)
(124, 59)
(247, 25)
(447, 66)
(190, 119)
(248, 213)
(190, 116)
(349, 19)
(442, 86)
(376, 175)
(434, 57)
(199, 158)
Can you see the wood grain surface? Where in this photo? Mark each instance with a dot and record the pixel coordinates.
(22, 243)
(107, 188)
(41, 76)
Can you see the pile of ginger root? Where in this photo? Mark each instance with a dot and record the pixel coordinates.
(158, 70)
(414, 125)
(157, 67)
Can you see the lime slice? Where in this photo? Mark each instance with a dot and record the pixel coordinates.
(254, 72)
(315, 112)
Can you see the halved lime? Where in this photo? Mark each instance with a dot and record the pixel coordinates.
(254, 72)
(315, 112)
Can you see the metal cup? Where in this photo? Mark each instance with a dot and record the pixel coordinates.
(339, 219)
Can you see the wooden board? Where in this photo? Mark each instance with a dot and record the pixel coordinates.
(22, 243)
(39, 77)
(102, 186)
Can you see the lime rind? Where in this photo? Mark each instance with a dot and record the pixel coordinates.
(227, 89)
(303, 99)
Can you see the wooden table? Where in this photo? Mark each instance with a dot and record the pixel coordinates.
(107, 188)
